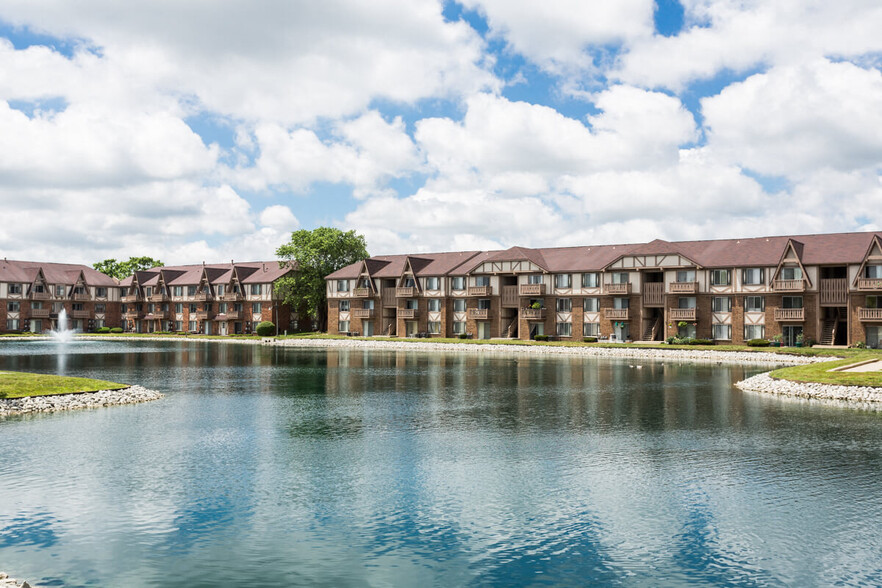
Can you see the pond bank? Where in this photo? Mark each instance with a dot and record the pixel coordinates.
(766, 384)
(7, 582)
(76, 401)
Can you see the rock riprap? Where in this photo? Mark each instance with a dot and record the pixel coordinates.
(766, 384)
(35, 404)
(7, 582)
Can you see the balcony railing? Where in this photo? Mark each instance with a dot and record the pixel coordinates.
(81, 297)
(869, 284)
(479, 313)
(682, 314)
(362, 292)
(653, 294)
(157, 298)
(202, 315)
(834, 291)
(617, 288)
(532, 289)
(80, 314)
(533, 314)
(159, 314)
(132, 315)
(39, 313)
(232, 315)
(362, 313)
(480, 290)
(510, 296)
(129, 298)
(40, 295)
(684, 287)
(789, 314)
(789, 285)
(615, 314)
(405, 292)
(232, 297)
(408, 313)
(387, 297)
(870, 314)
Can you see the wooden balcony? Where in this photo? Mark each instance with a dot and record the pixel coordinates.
(408, 313)
(39, 313)
(653, 294)
(232, 297)
(532, 289)
(40, 295)
(790, 314)
(231, 315)
(870, 314)
(202, 315)
(202, 296)
(480, 291)
(510, 296)
(387, 297)
(362, 293)
(133, 315)
(80, 314)
(834, 292)
(363, 313)
(615, 314)
(159, 314)
(406, 292)
(480, 314)
(620, 289)
(129, 298)
(157, 298)
(533, 314)
(683, 287)
(869, 284)
(81, 297)
(789, 285)
(682, 314)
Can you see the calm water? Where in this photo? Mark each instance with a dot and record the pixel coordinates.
(272, 467)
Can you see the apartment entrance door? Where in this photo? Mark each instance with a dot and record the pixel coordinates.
(483, 330)
(790, 335)
(410, 328)
(223, 328)
(367, 328)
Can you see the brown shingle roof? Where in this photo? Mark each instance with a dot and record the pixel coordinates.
(16, 271)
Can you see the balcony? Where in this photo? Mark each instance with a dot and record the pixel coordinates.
(159, 314)
(870, 314)
(201, 315)
(230, 315)
(133, 315)
(387, 297)
(869, 284)
(620, 289)
(789, 285)
(157, 298)
(81, 297)
(510, 296)
(405, 292)
(231, 297)
(40, 295)
(362, 293)
(682, 314)
(684, 287)
(533, 314)
(129, 298)
(39, 313)
(480, 291)
(408, 313)
(790, 314)
(834, 292)
(532, 289)
(202, 296)
(481, 314)
(363, 313)
(616, 314)
(653, 294)
(80, 314)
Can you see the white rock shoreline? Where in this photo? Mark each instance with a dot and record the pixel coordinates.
(766, 384)
(7, 582)
(77, 401)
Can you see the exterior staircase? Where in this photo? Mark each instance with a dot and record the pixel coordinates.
(828, 333)
(651, 330)
(511, 330)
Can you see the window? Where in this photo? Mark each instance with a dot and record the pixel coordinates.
(255, 308)
(435, 327)
(459, 327)
(191, 290)
(564, 305)
(459, 305)
(723, 332)
(591, 280)
(343, 326)
(754, 304)
(36, 305)
(191, 326)
(484, 304)
(686, 302)
(591, 305)
(99, 323)
(591, 329)
(366, 304)
(59, 291)
(434, 305)
(219, 289)
(873, 301)
(57, 306)
(721, 277)
(791, 301)
(722, 304)
(192, 308)
(433, 283)
(791, 273)
(620, 278)
(344, 306)
(412, 303)
(482, 280)
(101, 292)
(179, 308)
(13, 306)
(12, 324)
(179, 326)
(873, 271)
(148, 291)
(565, 329)
(15, 288)
(99, 308)
(150, 307)
(754, 332)
(685, 276)
(178, 290)
(255, 288)
(534, 279)
(563, 281)
(406, 283)
(458, 283)
(77, 306)
(621, 303)
(752, 276)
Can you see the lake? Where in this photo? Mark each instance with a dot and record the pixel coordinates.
(267, 466)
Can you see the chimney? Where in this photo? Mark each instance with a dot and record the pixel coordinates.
(264, 267)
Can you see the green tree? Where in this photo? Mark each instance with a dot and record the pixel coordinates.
(123, 269)
(316, 254)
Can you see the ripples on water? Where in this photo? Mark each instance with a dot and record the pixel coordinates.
(273, 467)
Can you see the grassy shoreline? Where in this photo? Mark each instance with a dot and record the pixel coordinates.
(25, 384)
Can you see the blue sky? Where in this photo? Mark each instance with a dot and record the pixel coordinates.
(187, 134)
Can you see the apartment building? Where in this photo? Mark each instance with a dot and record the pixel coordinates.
(33, 293)
(214, 299)
(824, 287)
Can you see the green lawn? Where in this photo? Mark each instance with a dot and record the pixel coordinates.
(820, 372)
(21, 384)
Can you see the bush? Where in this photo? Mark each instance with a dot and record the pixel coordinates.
(465, 335)
(266, 329)
(116, 330)
(102, 330)
(860, 345)
(589, 339)
(670, 340)
(541, 337)
(699, 342)
(757, 343)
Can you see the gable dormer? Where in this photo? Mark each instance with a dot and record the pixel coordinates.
(790, 274)
(39, 289)
(408, 284)
(364, 283)
(80, 290)
(869, 276)
(204, 291)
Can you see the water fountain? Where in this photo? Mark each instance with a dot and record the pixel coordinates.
(61, 334)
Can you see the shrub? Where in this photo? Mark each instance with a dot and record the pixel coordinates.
(860, 345)
(102, 330)
(465, 335)
(541, 337)
(808, 342)
(670, 340)
(699, 342)
(116, 330)
(589, 339)
(266, 329)
(757, 343)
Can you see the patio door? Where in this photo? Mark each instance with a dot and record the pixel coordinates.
(483, 330)
(368, 328)
(790, 334)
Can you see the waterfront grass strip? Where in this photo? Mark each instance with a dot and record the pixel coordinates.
(819, 373)
(22, 384)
